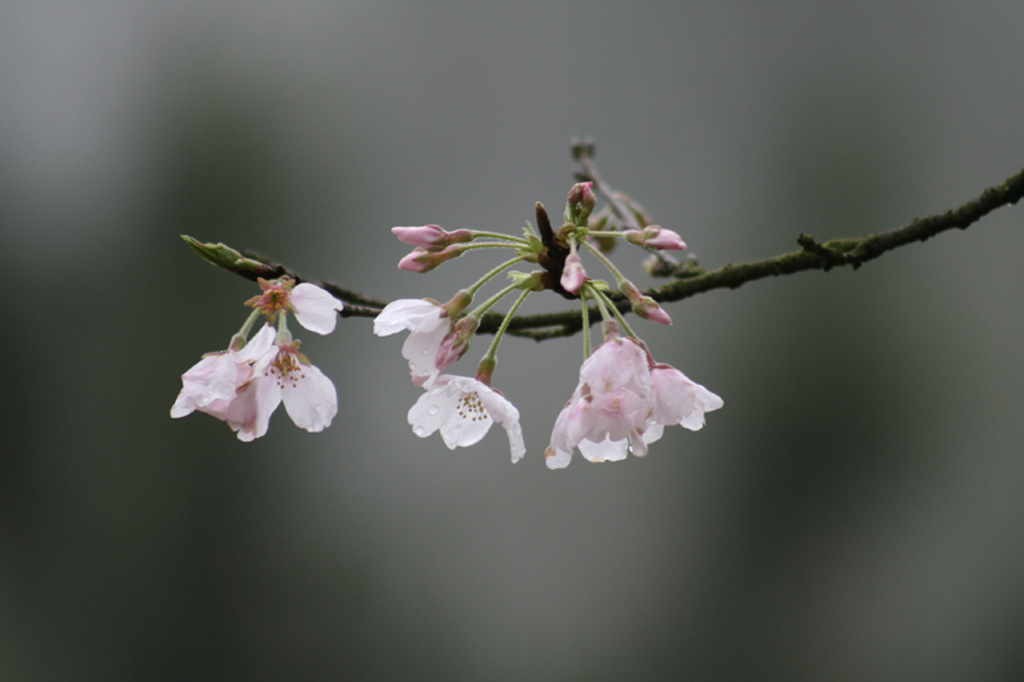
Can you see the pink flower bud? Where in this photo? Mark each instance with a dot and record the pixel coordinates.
(422, 260)
(660, 238)
(655, 237)
(425, 237)
(573, 274)
(580, 202)
(645, 306)
(430, 237)
(456, 343)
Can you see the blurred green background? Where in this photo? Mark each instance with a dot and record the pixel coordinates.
(854, 513)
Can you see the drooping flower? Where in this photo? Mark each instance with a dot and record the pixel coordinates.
(283, 374)
(623, 403)
(463, 409)
(680, 400)
(610, 408)
(212, 384)
(244, 387)
(428, 324)
(314, 308)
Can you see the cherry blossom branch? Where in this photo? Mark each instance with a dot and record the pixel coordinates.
(689, 278)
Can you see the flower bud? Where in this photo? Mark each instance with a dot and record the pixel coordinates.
(656, 237)
(422, 260)
(644, 306)
(430, 237)
(456, 343)
(580, 202)
(573, 274)
(660, 238)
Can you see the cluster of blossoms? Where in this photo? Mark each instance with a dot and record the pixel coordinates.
(244, 384)
(624, 398)
(622, 403)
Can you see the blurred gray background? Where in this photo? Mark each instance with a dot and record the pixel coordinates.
(854, 513)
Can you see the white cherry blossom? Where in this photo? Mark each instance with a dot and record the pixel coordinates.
(283, 374)
(463, 409)
(314, 308)
(428, 325)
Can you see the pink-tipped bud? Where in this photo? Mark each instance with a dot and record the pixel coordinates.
(456, 343)
(655, 237)
(661, 238)
(645, 306)
(422, 260)
(580, 202)
(573, 274)
(430, 237)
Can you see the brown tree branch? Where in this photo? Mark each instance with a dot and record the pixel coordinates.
(689, 278)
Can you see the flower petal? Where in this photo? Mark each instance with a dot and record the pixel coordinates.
(314, 308)
(312, 400)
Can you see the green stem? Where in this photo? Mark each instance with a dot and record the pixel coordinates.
(604, 259)
(492, 351)
(489, 303)
(249, 322)
(586, 323)
(615, 310)
(498, 235)
(488, 245)
(492, 274)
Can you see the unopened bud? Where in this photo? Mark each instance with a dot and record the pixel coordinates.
(573, 274)
(644, 306)
(422, 260)
(580, 202)
(430, 237)
(455, 345)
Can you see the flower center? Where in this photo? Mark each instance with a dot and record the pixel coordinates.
(274, 298)
(286, 368)
(471, 408)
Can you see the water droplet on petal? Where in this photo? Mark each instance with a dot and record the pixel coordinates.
(419, 431)
(433, 410)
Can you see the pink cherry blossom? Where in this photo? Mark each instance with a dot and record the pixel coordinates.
(428, 324)
(623, 403)
(679, 400)
(463, 409)
(610, 408)
(243, 388)
(214, 385)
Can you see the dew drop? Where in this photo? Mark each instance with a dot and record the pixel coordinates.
(433, 410)
(419, 431)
